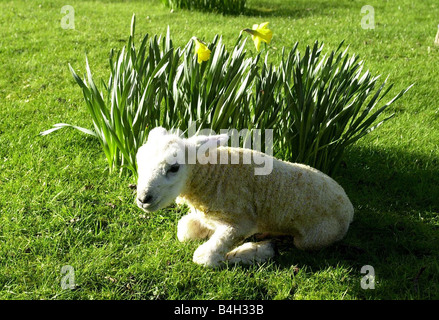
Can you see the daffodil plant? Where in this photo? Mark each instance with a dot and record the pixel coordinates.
(317, 105)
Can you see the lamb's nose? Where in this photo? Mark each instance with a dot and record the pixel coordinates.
(145, 199)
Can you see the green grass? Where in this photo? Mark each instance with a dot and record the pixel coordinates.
(59, 206)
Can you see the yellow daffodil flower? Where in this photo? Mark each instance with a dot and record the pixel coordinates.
(201, 50)
(260, 33)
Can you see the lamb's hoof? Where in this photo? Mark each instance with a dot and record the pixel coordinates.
(251, 252)
(207, 259)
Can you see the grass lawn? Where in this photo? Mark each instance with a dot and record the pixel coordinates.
(59, 206)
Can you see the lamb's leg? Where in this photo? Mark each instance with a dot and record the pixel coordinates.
(251, 252)
(190, 227)
(322, 234)
(213, 252)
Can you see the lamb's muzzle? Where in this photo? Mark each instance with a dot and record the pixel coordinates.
(145, 199)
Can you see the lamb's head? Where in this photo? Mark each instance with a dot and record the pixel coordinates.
(161, 171)
(162, 166)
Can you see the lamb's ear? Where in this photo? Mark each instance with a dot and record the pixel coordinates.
(216, 140)
(157, 132)
(221, 139)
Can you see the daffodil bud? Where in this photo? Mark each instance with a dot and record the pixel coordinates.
(201, 50)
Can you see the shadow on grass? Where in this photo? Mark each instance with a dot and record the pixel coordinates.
(292, 9)
(395, 229)
(392, 179)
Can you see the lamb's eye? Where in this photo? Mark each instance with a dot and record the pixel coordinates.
(174, 168)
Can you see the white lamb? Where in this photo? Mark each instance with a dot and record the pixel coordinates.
(229, 203)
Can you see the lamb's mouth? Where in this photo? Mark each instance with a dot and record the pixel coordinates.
(149, 207)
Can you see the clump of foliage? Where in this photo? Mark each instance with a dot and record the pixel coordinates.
(221, 6)
(328, 103)
(316, 105)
